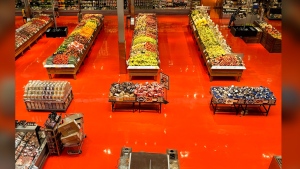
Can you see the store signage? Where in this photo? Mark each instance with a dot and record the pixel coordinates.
(164, 80)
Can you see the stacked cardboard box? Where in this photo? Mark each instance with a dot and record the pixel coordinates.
(71, 129)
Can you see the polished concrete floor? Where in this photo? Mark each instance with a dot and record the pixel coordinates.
(187, 123)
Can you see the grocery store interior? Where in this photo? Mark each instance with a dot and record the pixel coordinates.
(186, 123)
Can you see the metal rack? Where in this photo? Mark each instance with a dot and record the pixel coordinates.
(75, 149)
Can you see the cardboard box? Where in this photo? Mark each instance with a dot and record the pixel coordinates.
(77, 117)
(68, 128)
(72, 138)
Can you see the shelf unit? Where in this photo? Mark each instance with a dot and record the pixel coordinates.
(43, 152)
(54, 143)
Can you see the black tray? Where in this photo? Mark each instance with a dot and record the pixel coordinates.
(59, 32)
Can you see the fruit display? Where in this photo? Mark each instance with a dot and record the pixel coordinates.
(245, 94)
(129, 91)
(269, 29)
(144, 49)
(227, 60)
(26, 31)
(72, 48)
(215, 48)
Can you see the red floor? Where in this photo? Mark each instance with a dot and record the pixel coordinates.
(187, 123)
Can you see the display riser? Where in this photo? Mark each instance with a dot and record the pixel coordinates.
(74, 71)
(32, 40)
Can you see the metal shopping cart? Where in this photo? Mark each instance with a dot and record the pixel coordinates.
(75, 147)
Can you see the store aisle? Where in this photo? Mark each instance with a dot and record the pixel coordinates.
(187, 123)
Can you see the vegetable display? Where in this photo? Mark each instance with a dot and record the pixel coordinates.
(215, 47)
(144, 49)
(70, 51)
(26, 31)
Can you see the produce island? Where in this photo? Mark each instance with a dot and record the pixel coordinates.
(28, 33)
(271, 38)
(71, 53)
(144, 55)
(217, 55)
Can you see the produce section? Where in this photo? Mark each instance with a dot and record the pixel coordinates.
(47, 95)
(144, 55)
(216, 53)
(28, 33)
(71, 53)
(271, 38)
(243, 98)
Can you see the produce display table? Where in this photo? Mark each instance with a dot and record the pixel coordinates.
(216, 71)
(33, 39)
(264, 107)
(144, 54)
(273, 45)
(70, 68)
(254, 39)
(143, 71)
(135, 106)
(238, 99)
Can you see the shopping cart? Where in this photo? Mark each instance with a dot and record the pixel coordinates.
(74, 149)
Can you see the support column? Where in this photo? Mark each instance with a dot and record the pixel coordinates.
(121, 37)
(131, 12)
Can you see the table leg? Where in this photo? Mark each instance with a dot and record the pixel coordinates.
(133, 107)
(239, 78)
(210, 78)
(267, 109)
(74, 76)
(159, 107)
(112, 106)
(50, 76)
(139, 107)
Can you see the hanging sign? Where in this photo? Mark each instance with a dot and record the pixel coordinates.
(164, 80)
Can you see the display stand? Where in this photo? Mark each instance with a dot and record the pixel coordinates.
(32, 39)
(263, 108)
(53, 139)
(236, 105)
(136, 106)
(48, 96)
(215, 71)
(50, 105)
(43, 152)
(273, 45)
(72, 69)
(144, 70)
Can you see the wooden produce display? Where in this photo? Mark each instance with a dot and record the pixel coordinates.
(144, 54)
(72, 52)
(47, 95)
(271, 38)
(29, 33)
(216, 54)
